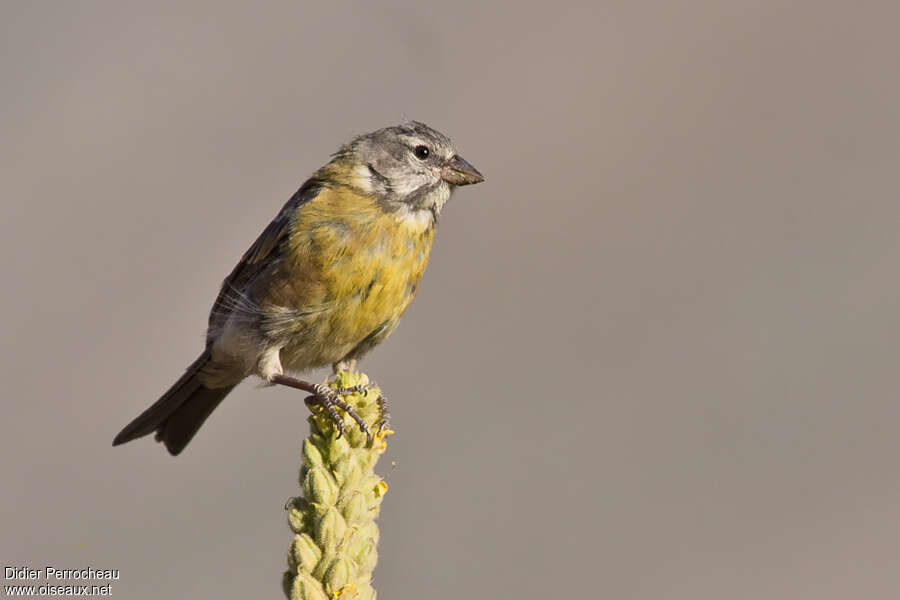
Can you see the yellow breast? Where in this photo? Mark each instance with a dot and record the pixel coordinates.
(354, 266)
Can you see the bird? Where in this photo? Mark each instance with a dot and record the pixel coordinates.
(325, 282)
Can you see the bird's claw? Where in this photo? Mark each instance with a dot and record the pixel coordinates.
(353, 389)
(385, 415)
(328, 399)
(385, 419)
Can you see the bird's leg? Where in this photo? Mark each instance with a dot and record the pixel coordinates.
(328, 399)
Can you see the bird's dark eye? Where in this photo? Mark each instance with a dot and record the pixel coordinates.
(421, 152)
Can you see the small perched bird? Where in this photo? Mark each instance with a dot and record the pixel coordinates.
(325, 282)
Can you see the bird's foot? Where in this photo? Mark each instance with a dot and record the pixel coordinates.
(331, 400)
(384, 416)
(328, 399)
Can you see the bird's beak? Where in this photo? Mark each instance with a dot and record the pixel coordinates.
(459, 172)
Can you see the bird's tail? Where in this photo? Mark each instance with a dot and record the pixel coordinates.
(180, 412)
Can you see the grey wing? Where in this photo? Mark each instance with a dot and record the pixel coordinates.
(267, 248)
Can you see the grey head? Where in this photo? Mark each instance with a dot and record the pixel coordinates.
(409, 166)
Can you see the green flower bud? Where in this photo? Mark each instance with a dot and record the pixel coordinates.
(305, 587)
(337, 575)
(353, 507)
(312, 458)
(331, 530)
(296, 520)
(320, 487)
(305, 554)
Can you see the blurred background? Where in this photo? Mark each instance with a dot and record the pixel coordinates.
(654, 355)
